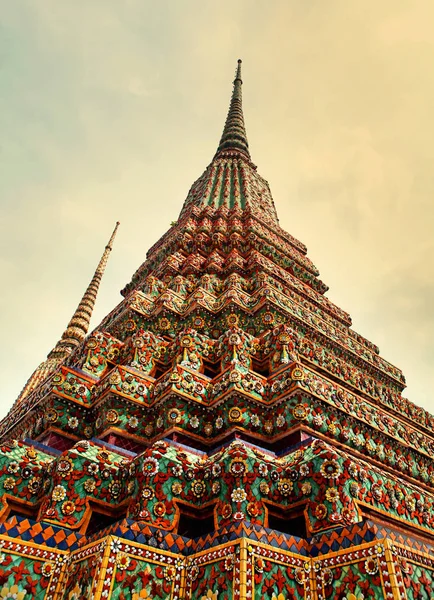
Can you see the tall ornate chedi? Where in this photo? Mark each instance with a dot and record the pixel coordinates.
(222, 434)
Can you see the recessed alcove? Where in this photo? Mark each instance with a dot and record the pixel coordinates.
(53, 439)
(292, 525)
(161, 370)
(261, 368)
(123, 443)
(195, 524)
(99, 521)
(211, 370)
(20, 510)
(185, 440)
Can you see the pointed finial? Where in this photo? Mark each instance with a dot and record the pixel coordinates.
(238, 74)
(113, 235)
(234, 133)
(103, 262)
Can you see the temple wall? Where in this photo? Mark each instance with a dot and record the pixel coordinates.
(123, 569)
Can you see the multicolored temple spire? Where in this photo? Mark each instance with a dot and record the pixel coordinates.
(231, 180)
(223, 433)
(77, 327)
(234, 133)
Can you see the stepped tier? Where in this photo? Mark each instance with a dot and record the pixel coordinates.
(205, 388)
(234, 493)
(237, 481)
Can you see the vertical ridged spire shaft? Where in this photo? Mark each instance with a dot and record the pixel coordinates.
(78, 326)
(234, 133)
(231, 180)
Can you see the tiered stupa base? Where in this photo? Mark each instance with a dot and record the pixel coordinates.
(199, 526)
(133, 561)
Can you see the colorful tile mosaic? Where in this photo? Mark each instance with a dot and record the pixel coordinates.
(223, 434)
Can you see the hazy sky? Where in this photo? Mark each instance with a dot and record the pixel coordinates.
(110, 109)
